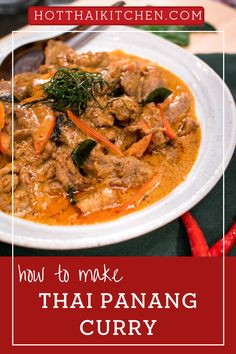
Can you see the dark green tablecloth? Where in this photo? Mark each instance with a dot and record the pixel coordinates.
(171, 239)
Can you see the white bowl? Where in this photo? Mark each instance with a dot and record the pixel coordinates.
(218, 141)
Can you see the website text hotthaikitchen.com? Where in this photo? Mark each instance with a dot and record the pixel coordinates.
(129, 15)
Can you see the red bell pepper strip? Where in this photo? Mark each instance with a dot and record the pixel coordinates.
(92, 133)
(225, 244)
(2, 116)
(169, 131)
(140, 194)
(2, 122)
(46, 120)
(5, 143)
(196, 238)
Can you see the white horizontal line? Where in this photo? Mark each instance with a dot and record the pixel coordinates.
(118, 345)
(58, 31)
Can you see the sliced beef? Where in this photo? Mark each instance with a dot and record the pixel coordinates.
(52, 187)
(121, 172)
(97, 117)
(9, 168)
(138, 127)
(131, 172)
(124, 108)
(151, 116)
(4, 160)
(131, 81)
(45, 172)
(125, 139)
(93, 60)
(58, 53)
(187, 126)
(149, 121)
(6, 202)
(159, 139)
(151, 80)
(111, 75)
(22, 202)
(103, 199)
(49, 152)
(24, 151)
(178, 108)
(111, 133)
(99, 165)
(71, 135)
(6, 177)
(5, 90)
(44, 69)
(6, 183)
(25, 118)
(8, 109)
(26, 176)
(23, 84)
(22, 134)
(118, 136)
(68, 174)
(172, 153)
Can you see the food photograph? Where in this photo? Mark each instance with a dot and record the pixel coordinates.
(117, 140)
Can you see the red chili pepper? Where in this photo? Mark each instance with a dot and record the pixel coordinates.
(196, 238)
(225, 244)
(198, 242)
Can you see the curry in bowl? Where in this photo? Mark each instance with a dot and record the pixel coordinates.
(96, 136)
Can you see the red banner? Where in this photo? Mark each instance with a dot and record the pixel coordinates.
(128, 300)
(108, 15)
(41, 319)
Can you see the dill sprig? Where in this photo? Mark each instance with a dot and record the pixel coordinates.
(72, 88)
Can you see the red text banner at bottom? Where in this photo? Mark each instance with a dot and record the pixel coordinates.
(118, 300)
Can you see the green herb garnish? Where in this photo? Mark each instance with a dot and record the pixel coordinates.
(82, 151)
(158, 95)
(72, 88)
(70, 194)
